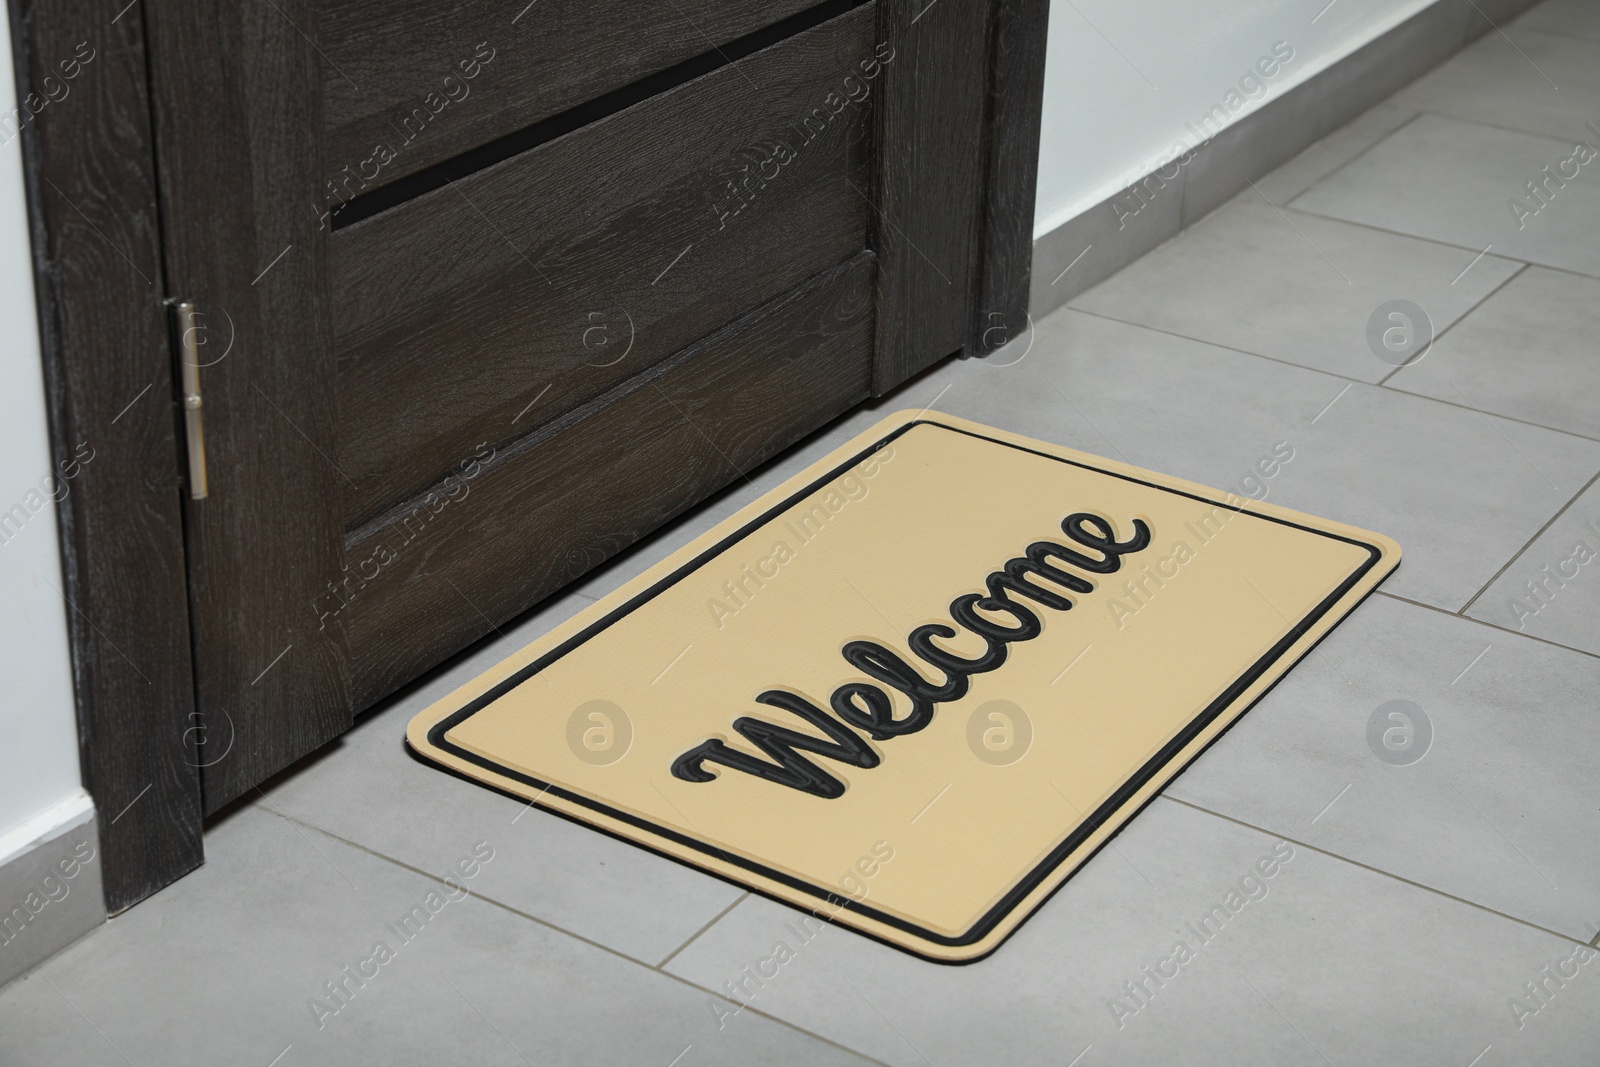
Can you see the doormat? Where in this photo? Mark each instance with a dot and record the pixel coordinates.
(917, 685)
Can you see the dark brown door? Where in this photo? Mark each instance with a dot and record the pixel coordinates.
(489, 291)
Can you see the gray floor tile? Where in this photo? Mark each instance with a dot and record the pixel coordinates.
(1563, 564)
(1324, 961)
(1576, 17)
(1501, 808)
(367, 788)
(1523, 79)
(1457, 488)
(1461, 491)
(224, 966)
(1295, 287)
(1527, 352)
(1454, 181)
(1329, 154)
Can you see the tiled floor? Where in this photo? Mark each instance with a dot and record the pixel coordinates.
(1435, 912)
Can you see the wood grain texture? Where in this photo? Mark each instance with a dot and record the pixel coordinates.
(929, 194)
(385, 58)
(585, 487)
(1016, 101)
(478, 311)
(108, 374)
(236, 90)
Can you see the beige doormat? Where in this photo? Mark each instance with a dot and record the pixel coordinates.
(917, 685)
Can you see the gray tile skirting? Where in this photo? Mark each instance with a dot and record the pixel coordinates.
(50, 896)
(1091, 247)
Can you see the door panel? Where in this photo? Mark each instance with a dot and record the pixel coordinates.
(231, 85)
(532, 517)
(409, 439)
(458, 310)
(526, 63)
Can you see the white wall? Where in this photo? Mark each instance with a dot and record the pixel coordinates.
(40, 788)
(1125, 79)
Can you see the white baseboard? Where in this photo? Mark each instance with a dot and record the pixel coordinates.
(50, 889)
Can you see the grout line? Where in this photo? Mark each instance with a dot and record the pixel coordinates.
(1439, 242)
(1435, 241)
(1541, 135)
(1224, 347)
(695, 936)
(1444, 243)
(435, 878)
(1375, 870)
(1494, 414)
(1490, 625)
(1458, 320)
(1361, 154)
(1329, 373)
(1523, 550)
(1303, 237)
(1430, 113)
(608, 950)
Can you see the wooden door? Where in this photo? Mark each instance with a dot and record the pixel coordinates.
(490, 290)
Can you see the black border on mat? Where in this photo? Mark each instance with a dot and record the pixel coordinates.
(1030, 881)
